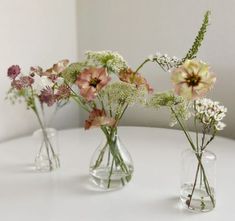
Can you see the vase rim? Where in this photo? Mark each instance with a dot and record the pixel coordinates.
(204, 151)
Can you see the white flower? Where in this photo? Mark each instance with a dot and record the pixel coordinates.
(200, 108)
(40, 83)
(220, 125)
(210, 113)
(113, 61)
(220, 116)
(59, 81)
(206, 120)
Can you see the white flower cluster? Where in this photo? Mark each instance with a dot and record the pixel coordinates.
(165, 61)
(211, 113)
(167, 99)
(119, 92)
(113, 61)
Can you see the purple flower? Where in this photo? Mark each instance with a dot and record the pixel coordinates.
(47, 96)
(17, 84)
(63, 92)
(13, 71)
(26, 81)
(23, 82)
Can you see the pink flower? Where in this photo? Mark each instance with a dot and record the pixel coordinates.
(17, 84)
(192, 79)
(23, 82)
(47, 96)
(63, 92)
(13, 71)
(98, 118)
(53, 72)
(60, 66)
(26, 81)
(128, 76)
(91, 81)
(36, 70)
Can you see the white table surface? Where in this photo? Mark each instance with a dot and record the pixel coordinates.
(67, 195)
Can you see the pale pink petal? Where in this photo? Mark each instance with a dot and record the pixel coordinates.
(88, 93)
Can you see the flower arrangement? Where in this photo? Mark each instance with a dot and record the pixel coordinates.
(192, 80)
(38, 88)
(105, 86)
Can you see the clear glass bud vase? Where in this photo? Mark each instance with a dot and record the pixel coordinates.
(198, 180)
(47, 158)
(111, 165)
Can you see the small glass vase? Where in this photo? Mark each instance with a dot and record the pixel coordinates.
(111, 165)
(198, 180)
(47, 158)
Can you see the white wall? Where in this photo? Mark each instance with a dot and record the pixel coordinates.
(40, 32)
(137, 28)
(34, 32)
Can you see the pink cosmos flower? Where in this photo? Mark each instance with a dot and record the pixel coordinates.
(47, 96)
(192, 79)
(131, 77)
(13, 71)
(98, 118)
(91, 81)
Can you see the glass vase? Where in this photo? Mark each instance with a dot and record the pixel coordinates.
(198, 180)
(47, 158)
(111, 165)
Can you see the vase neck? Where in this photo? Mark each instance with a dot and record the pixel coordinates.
(111, 134)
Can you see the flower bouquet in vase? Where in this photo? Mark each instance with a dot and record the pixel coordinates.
(40, 89)
(106, 88)
(192, 80)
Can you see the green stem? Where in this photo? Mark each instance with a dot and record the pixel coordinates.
(195, 125)
(184, 130)
(77, 98)
(110, 173)
(109, 104)
(206, 183)
(207, 186)
(141, 65)
(45, 138)
(209, 141)
(100, 157)
(194, 185)
(111, 139)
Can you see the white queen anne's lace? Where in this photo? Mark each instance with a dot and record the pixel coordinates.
(211, 113)
(113, 61)
(164, 60)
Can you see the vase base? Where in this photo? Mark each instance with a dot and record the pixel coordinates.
(200, 201)
(43, 164)
(102, 179)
